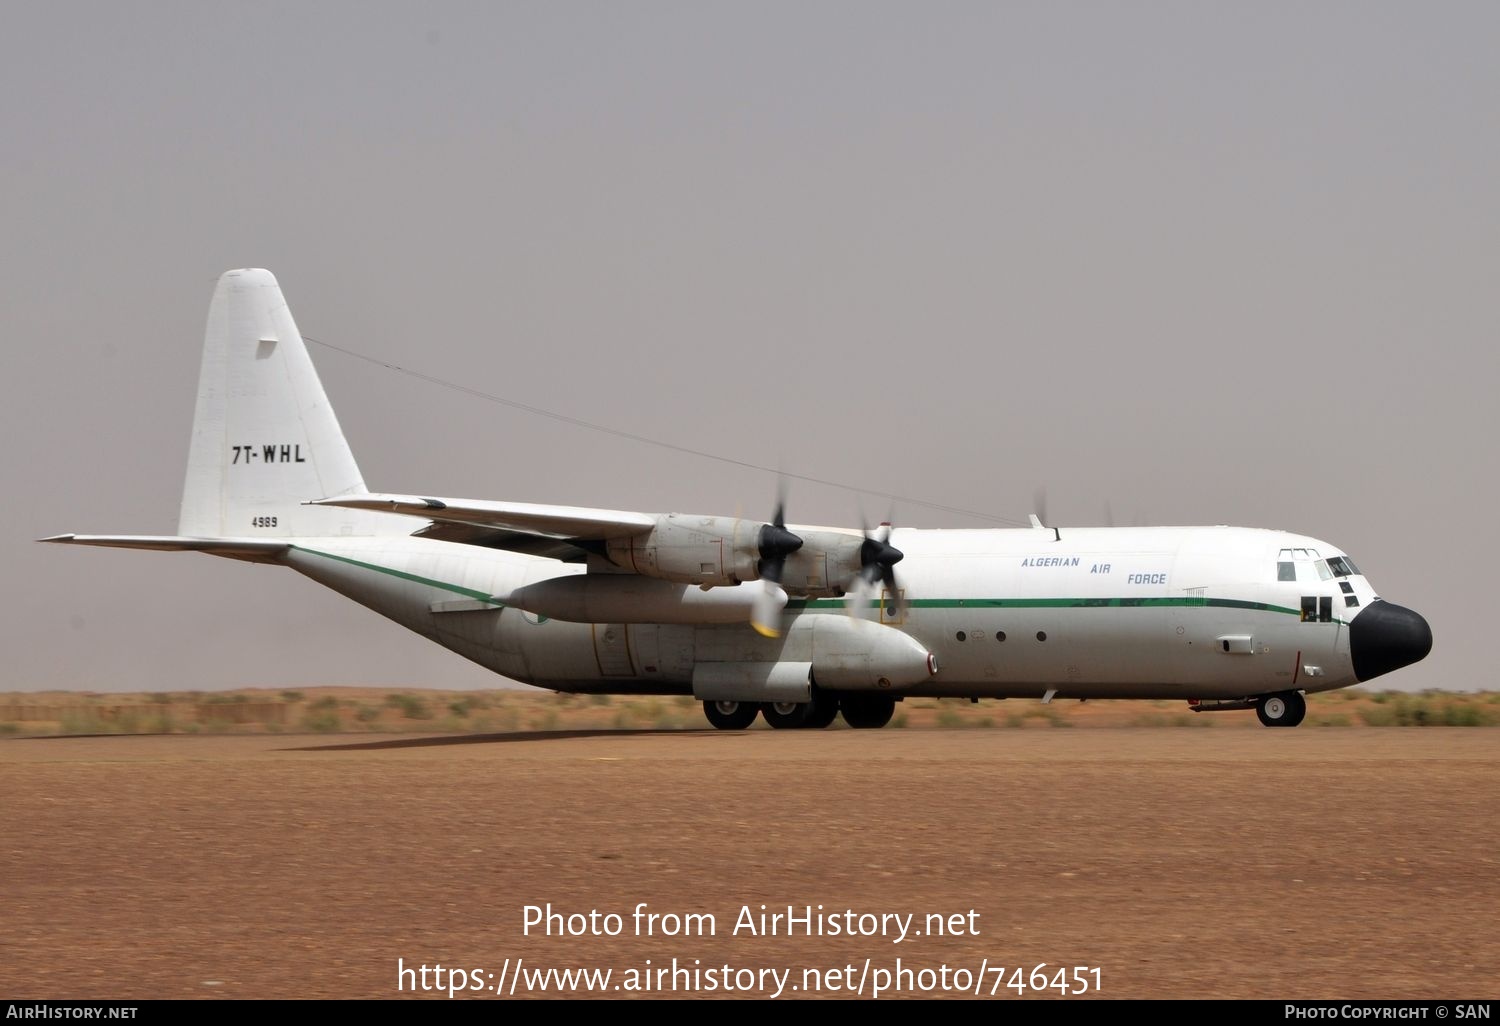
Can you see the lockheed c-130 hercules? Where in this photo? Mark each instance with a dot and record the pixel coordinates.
(795, 624)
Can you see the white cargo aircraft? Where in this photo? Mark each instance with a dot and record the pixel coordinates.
(794, 624)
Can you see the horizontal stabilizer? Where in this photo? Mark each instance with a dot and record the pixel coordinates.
(261, 550)
(566, 522)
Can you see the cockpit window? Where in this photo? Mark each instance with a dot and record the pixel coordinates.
(1294, 563)
(1342, 566)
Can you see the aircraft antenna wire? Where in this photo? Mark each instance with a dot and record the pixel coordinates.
(647, 440)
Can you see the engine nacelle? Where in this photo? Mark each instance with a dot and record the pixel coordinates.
(826, 564)
(714, 551)
(692, 549)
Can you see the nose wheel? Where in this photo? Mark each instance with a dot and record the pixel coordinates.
(1283, 709)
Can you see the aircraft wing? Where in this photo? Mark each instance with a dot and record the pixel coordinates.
(510, 541)
(520, 526)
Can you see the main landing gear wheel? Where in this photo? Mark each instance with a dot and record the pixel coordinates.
(786, 715)
(825, 709)
(730, 715)
(867, 712)
(1283, 709)
(818, 713)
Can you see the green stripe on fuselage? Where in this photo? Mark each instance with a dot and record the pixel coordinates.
(1058, 603)
(837, 603)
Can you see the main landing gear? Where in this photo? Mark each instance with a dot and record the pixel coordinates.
(861, 710)
(865, 711)
(818, 713)
(731, 715)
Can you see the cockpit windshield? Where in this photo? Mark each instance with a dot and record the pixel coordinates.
(1342, 566)
(1301, 565)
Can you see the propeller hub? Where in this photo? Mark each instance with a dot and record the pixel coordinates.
(878, 553)
(877, 561)
(775, 543)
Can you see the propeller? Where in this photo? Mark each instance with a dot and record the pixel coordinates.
(775, 544)
(877, 562)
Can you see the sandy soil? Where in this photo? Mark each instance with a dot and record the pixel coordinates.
(331, 710)
(1181, 863)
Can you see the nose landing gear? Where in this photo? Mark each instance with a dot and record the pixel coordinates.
(1283, 709)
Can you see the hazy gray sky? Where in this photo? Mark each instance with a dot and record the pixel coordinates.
(1199, 263)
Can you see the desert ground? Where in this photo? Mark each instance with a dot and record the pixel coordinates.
(1179, 863)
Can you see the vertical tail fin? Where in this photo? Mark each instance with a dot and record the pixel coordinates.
(265, 438)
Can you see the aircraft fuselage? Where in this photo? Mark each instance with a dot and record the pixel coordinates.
(1197, 612)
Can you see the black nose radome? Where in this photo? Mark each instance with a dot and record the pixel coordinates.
(1386, 637)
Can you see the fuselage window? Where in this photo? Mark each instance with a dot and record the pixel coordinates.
(1317, 608)
(1286, 571)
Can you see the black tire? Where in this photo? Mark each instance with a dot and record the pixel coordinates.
(864, 711)
(825, 709)
(786, 715)
(1283, 709)
(1298, 706)
(730, 715)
